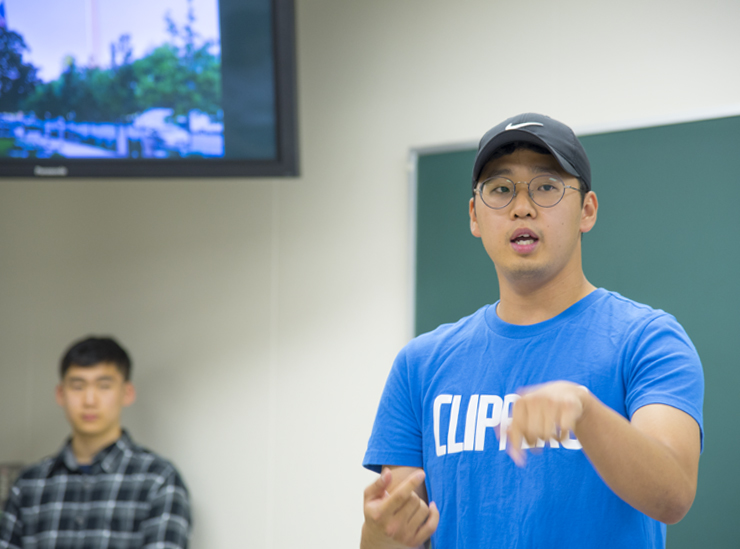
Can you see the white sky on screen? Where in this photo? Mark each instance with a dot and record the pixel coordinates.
(54, 29)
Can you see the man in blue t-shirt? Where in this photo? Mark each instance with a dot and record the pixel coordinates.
(561, 416)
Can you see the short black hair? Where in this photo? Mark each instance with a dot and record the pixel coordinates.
(94, 350)
(510, 148)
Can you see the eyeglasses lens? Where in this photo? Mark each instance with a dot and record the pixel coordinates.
(545, 190)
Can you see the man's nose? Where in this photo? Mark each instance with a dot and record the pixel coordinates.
(522, 204)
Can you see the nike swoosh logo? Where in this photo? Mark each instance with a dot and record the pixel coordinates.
(511, 126)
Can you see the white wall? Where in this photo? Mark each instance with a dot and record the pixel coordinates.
(263, 315)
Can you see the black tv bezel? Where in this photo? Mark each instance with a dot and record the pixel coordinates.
(284, 165)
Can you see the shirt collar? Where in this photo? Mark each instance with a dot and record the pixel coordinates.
(106, 460)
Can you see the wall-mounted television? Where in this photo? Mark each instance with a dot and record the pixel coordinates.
(148, 88)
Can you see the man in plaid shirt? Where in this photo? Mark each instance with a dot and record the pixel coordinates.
(101, 490)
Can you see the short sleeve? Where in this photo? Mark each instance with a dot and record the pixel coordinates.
(396, 438)
(663, 367)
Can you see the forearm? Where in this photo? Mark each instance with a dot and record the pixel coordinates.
(643, 470)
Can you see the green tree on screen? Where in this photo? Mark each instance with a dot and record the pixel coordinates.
(17, 79)
(181, 75)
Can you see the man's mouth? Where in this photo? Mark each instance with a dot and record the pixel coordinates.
(524, 239)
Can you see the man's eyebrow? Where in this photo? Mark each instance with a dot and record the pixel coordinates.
(75, 379)
(494, 173)
(535, 168)
(545, 169)
(104, 378)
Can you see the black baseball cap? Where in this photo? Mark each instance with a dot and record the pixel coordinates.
(540, 130)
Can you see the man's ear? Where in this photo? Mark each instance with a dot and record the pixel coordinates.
(474, 229)
(59, 394)
(129, 393)
(589, 211)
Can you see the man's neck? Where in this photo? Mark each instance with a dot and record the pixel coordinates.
(529, 303)
(86, 447)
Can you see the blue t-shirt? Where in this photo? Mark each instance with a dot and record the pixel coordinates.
(450, 391)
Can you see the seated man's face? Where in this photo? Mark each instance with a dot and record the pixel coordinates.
(93, 397)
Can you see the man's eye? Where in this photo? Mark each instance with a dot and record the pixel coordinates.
(546, 184)
(501, 189)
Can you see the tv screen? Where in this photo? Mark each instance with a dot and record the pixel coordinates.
(97, 88)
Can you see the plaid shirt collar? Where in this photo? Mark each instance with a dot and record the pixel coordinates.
(106, 460)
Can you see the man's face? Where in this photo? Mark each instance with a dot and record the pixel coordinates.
(93, 397)
(527, 243)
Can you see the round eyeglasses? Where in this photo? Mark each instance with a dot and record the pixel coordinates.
(544, 190)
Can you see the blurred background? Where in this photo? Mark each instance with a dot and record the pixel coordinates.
(263, 315)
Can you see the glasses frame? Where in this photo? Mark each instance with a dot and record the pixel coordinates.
(529, 190)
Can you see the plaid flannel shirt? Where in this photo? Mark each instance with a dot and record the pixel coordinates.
(131, 498)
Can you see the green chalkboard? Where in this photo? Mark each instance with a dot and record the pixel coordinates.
(668, 234)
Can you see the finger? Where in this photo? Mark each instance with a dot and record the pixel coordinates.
(530, 425)
(377, 489)
(419, 516)
(429, 527)
(412, 513)
(406, 521)
(519, 415)
(538, 424)
(572, 411)
(569, 417)
(518, 420)
(404, 491)
(406, 530)
(528, 421)
(550, 426)
(514, 446)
